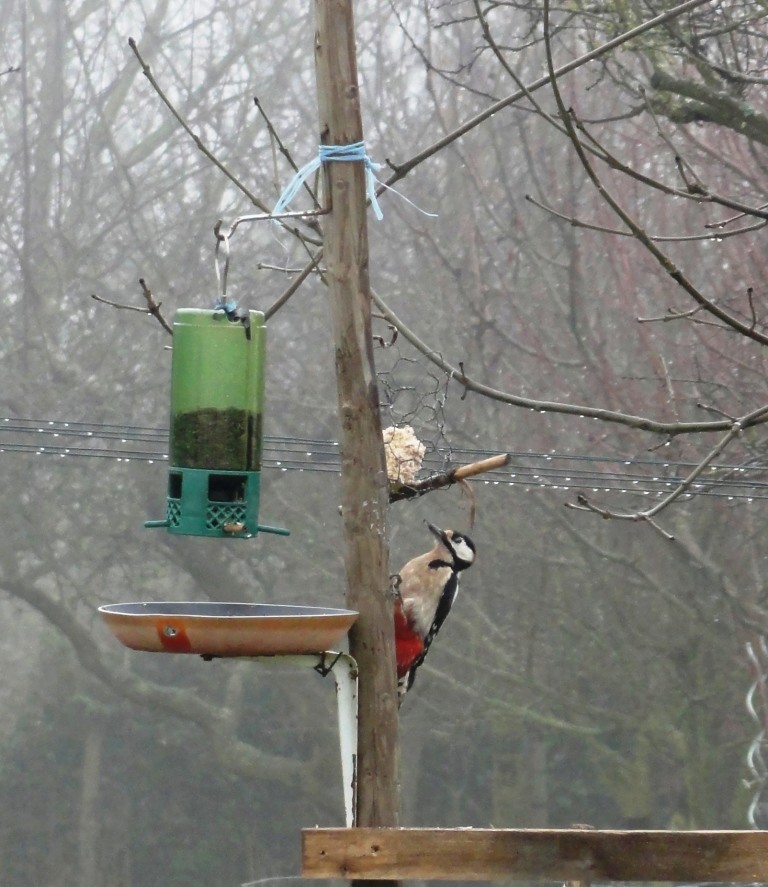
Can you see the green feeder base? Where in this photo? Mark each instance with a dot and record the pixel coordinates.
(222, 504)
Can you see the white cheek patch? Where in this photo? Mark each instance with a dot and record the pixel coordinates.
(463, 551)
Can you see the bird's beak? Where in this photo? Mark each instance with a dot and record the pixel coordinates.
(436, 531)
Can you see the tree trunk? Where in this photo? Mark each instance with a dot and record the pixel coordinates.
(88, 831)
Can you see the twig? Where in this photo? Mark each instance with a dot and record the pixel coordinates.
(119, 305)
(750, 293)
(716, 410)
(496, 50)
(308, 269)
(586, 505)
(723, 222)
(469, 495)
(583, 504)
(393, 334)
(283, 150)
(736, 427)
(268, 266)
(463, 377)
(695, 187)
(152, 308)
(692, 185)
(669, 386)
(657, 238)
(692, 192)
(672, 314)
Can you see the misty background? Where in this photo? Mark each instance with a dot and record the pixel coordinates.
(593, 670)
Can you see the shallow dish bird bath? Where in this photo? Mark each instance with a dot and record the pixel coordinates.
(227, 629)
(270, 633)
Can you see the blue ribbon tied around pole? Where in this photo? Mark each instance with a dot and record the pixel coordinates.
(336, 153)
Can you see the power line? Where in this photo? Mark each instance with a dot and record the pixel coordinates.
(557, 471)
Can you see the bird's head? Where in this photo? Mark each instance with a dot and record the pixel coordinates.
(460, 548)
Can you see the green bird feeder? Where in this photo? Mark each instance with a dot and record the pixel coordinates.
(217, 397)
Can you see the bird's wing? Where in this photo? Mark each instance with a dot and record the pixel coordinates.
(443, 609)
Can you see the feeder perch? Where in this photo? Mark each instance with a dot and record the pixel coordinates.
(217, 395)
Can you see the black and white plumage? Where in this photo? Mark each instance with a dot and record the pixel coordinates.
(426, 590)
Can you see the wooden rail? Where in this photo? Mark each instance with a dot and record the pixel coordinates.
(534, 855)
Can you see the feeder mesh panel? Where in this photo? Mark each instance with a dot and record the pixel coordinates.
(218, 515)
(173, 513)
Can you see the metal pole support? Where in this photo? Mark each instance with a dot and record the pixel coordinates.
(344, 670)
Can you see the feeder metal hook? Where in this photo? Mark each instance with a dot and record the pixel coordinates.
(221, 276)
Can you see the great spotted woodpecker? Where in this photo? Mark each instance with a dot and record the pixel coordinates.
(425, 590)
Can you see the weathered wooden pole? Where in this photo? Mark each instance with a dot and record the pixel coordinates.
(363, 467)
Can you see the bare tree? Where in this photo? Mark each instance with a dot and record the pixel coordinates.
(589, 658)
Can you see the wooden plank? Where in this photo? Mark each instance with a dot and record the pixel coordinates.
(535, 854)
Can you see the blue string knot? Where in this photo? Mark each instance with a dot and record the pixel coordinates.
(334, 153)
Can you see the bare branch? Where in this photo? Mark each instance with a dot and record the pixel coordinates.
(458, 475)
(274, 135)
(716, 410)
(736, 427)
(672, 314)
(723, 222)
(195, 138)
(641, 423)
(282, 269)
(583, 504)
(750, 300)
(666, 263)
(152, 308)
(656, 238)
(401, 170)
(256, 201)
(119, 305)
(693, 190)
(305, 273)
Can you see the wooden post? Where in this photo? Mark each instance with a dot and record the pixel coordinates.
(365, 489)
